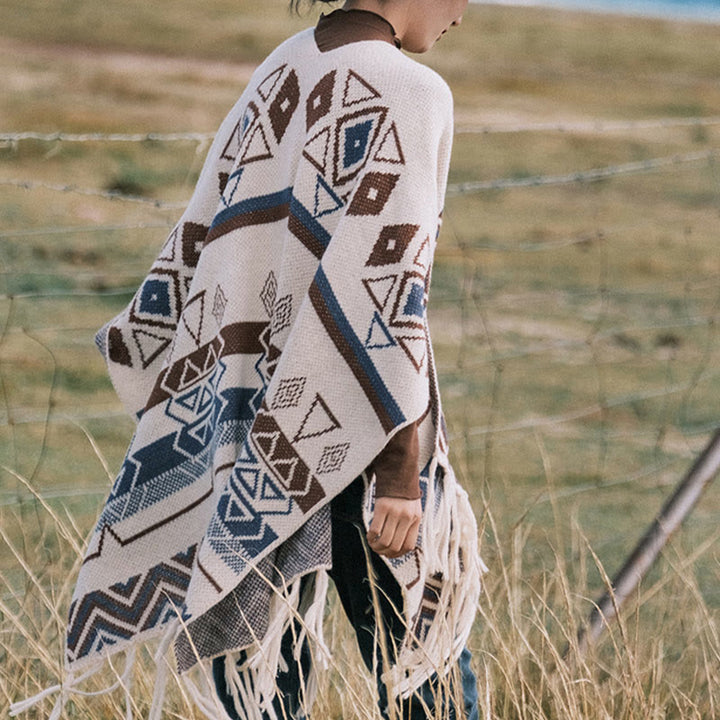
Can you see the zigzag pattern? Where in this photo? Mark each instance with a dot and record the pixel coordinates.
(141, 603)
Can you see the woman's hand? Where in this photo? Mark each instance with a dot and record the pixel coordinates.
(395, 526)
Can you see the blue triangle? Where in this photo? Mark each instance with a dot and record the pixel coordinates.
(378, 336)
(270, 491)
(326, 201)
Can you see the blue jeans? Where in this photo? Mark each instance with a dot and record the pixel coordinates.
(350, 575)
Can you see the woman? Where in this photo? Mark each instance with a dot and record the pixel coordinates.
(278, 361)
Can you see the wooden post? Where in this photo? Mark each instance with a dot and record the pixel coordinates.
(675, 510)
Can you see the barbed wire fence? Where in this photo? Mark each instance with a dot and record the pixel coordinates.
(60, 280)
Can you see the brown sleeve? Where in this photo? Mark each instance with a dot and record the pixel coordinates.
(396, 467)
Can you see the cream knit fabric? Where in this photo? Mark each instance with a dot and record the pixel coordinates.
(278, 341)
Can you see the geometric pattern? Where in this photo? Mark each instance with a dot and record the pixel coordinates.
(255, 148)
(319, 101)
(103, 618)
(326, 201)
(240, 132)
(317, 148)
(380, 289)
(150, 345)
(266, 87)
(269, 293)
(410, 302)
(391, 245)
(287, 466)
(389, 148)
(319, 420)
(378, 336)
(355, 135)
(332, 458)
(159, 301)
(357, 90)
(193, 239)
(350, 347)
(284, 105)
(193, 316)
(415, 348)
(215, 456)
(282, 313)
(219, 305)
(373, 193)
(423, 255)
(117, 349)
(230, 184)
(432, 592)
(289, 393)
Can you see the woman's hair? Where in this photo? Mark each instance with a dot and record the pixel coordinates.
(295, 4)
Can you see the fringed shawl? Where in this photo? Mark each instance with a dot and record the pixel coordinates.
(277, 343)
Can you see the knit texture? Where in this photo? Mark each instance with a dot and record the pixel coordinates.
(279, 340)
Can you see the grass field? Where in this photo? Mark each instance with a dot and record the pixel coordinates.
(575, 324)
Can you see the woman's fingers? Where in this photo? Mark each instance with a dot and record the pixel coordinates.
(395, 526)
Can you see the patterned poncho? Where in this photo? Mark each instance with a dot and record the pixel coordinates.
(277, 344)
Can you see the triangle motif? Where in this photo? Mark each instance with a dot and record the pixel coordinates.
(316, 150)
(270, 491)
(189, 400)
(390, 150)
(380, 289)
(256, 147)
(230, 150)
(326, 201)
(358, 90)
(231, 187)
(190, 374)
(266, 87)
(416, 350)
(318, 421)
(167, 253)
(286, 469)
(267, 442)
(422, 258)
(149, 345)
(193, 316)
(378, 337)
(248, 479)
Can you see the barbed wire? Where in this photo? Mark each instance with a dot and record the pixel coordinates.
(107, 137)
(94, 192)
(562, 126)
(583, 126)
(582, 176)
(583, 419)
(77, 229)
(464, 188)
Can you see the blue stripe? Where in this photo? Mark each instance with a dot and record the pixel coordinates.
(309, 222)
(262, 202)
(366, 364)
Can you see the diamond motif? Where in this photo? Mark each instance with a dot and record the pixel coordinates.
(373, 193)
(391, 245)
(289, 393)
(332, 458)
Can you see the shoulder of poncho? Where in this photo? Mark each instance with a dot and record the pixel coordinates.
(413, 84)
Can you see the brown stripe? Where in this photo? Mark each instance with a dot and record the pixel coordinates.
(236, 339)
(352, 362)
(123, 542)
(254, 217)
(208, 576)
(306, 237)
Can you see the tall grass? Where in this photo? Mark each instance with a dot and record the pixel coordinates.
(576, 329)
(660, 659)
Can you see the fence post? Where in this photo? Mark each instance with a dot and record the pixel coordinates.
(673, 513)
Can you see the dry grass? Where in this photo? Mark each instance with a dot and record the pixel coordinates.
(576, 330)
